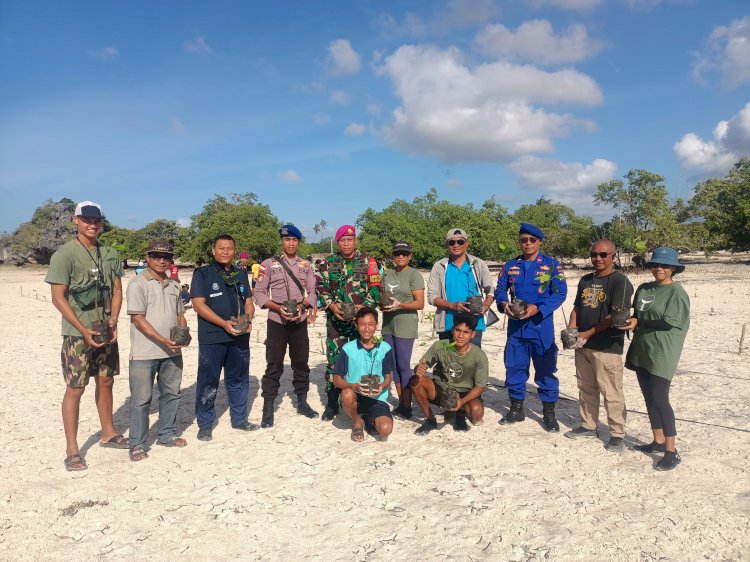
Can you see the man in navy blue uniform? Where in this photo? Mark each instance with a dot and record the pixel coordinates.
(221, 296)
(537, 283)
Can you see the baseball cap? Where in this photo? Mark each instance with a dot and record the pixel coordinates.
(456, 232)
(89, 210)
(402, 246)
(161, 246)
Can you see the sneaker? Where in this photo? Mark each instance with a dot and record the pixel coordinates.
(426, 427)
(670, 460)
(460, 424)
(581, 432)
(403, 412)
(652, 447)
(205, 434)
(615, 444)
(246, 426)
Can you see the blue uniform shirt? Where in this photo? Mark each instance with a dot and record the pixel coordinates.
(523, 279)
(460, 284)
(222, 297)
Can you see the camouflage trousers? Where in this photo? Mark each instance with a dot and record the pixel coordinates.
(337, 334)
(80, 361)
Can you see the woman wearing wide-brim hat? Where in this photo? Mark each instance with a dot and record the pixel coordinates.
(660, 324)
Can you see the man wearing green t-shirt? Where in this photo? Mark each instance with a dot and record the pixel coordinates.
(85, 282)
(459, 368)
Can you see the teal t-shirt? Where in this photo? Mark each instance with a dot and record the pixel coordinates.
(402, 323)
(462, 372)
(658, 351)
(78, 268)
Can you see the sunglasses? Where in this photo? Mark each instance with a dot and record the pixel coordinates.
(400, 254)
(456, 242)
(165, 257)
(659, 266)
(600, 254)
(528, 239)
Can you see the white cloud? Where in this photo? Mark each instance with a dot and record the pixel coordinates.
(321, 119)
(183, 222)
(535, 40)
(455, 15)
(453, 182)
(289, 176)
(485, 113)
(355, 129)
(340, 98)
(731, 141)
(342, 58)
(727, 52)
(105, 53)
(199, 47)
(646, 5)
(373, 108)
(177, 127)
(575, 5)
(570, 183)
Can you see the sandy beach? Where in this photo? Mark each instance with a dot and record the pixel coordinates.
(304, 490)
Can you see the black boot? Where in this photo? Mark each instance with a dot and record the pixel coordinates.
(515, 414)
(548, 417)
(332, 407)
(267, 419)
(304, 409)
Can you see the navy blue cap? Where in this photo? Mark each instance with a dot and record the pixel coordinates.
(290, 230)
(533, 230)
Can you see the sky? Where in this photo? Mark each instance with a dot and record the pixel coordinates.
(324, 109)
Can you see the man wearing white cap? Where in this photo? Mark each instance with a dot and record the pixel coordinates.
(85, 281)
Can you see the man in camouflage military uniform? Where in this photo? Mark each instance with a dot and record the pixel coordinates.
(347, 277)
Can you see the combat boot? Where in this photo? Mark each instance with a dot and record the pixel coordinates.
(332, 407)
(548, 417)
(515, 414)
(303, 408)
(267, 419)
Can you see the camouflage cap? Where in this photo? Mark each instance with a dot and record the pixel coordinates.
(161, 246)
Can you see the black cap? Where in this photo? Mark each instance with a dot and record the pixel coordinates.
(402, 246)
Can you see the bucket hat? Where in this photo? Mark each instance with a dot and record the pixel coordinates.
(664, 255)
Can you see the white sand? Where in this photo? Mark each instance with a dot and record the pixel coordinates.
(303, 490)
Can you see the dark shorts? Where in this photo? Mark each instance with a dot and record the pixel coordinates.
(372, 408)
(80, 361)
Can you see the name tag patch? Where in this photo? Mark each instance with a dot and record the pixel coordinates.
(216, 294)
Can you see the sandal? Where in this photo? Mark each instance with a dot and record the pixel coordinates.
(138, 453)
(75, 462)
(174, 442)
(117, 442)
(358, 434)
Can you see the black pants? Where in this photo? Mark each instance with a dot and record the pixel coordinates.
(656, 394)
(278, 336)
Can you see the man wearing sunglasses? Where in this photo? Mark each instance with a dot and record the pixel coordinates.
(155, 307)
(453, 280)
(540, 282)
(599, 346)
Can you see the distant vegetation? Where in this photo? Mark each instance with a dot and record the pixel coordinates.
(717, 217)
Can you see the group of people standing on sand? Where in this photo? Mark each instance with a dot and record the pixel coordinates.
(350, 287)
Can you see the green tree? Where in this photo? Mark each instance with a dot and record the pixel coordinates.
(645, 214)
(252, 225)
(566, 234)
(724, 205)
(49, 228)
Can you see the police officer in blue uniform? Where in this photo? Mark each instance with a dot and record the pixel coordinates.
(219, 292)
(540, 282)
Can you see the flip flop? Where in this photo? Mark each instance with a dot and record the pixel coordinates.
(174, 442)
(138, 453)
(75, 462)
(117, 442)
(358, 434)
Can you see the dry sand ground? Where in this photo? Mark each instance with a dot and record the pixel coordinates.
(303, 490)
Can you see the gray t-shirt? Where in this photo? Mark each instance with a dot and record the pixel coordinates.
(159, 301)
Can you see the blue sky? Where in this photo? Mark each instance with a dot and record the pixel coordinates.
(326, 108)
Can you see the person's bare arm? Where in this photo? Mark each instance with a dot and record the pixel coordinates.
(116, 306)
(473, 394)
(205, 312)
(145, 327)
